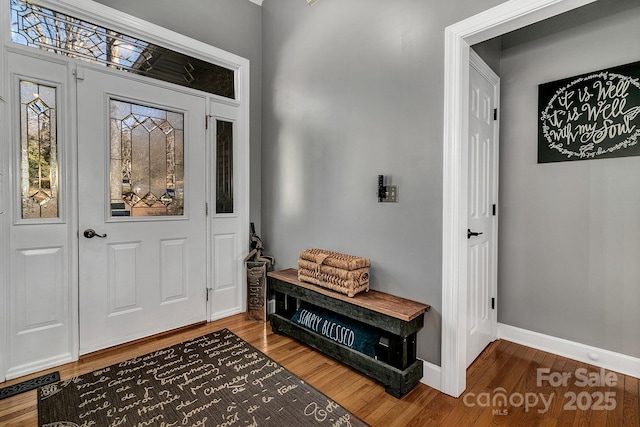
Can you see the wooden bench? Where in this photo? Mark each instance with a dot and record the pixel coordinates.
(397, 319)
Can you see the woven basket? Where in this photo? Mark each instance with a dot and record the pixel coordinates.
(343, 273)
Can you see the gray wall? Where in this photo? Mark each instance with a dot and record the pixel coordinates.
(232, 25)
(569, 232)
(353, 89)
(490, 52)
(350, 90)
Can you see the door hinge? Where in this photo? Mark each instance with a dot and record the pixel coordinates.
(495, 114)
(206, 208)
(206, 122)
(493, 303)
(207, 290)
(78, 72)
(494, 209)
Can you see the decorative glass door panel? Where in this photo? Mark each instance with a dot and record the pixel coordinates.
(147, 160)
(224, 167)
(39, 151)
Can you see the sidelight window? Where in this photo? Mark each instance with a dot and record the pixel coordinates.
(38, 151)
(224, 167)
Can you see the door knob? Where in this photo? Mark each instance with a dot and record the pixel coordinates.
(90, 233)
(472, 233)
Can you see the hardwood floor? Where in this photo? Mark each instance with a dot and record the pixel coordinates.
(587, 398)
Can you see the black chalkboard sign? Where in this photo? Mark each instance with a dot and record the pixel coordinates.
(594, 115)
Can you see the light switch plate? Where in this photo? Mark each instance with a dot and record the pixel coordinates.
(391, 194)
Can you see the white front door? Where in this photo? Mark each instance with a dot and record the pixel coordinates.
(482, 207)
(142, 208)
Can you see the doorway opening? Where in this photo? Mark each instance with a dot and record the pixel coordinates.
(459, 37)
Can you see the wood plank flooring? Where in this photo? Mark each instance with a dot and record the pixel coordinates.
(504, 370)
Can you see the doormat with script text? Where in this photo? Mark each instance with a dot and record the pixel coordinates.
(214, 380)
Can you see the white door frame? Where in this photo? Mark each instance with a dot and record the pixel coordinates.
(118, 21)
(494, 22)
(4, 201)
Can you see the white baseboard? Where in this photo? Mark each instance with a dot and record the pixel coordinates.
(599, 357)
(431, 375)
(223, 314)
(40, 365)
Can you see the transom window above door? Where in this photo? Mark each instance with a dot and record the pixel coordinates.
(46, 29)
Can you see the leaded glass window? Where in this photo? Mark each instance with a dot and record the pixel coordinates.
(39, 151)
(224, 167)
(146, 160)
(56, 32)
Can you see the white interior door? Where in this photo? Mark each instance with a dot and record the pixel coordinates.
(482, 207)
(141, 178)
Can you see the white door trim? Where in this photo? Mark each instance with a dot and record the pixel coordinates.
(494, 22)
(4, 199)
